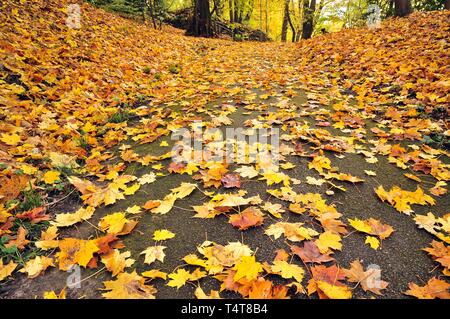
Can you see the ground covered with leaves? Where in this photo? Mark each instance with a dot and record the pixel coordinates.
(357, 207)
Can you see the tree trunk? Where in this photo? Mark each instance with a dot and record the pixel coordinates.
(308, 19)
(284, 26)
(402, 8)
(236, 11)
(447, 4)
(201, 19)
(291, 24)
(230, 5)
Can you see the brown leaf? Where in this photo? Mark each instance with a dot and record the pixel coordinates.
(250, 217)
(231, 180)
(435, 288)
(309, 253)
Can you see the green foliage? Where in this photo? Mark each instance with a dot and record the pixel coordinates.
(120, 116)
(31, 199)
(174, 68)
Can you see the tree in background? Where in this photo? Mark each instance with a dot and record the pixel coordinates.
(309, 8)
(201, 19)
(402, 8)
(280, 19)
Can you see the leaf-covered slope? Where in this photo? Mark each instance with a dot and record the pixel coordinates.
(405, 60)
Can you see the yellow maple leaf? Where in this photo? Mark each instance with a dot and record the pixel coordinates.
(154, 273)
(10, 139)
(50, 177)
(6, 270)
(183, 190)
(154, 253)
(179, 278)
(334, 292)
(360, 225)
(373, 242)
(52, 294)
(64, 220)
(287, 270)
(76, 251)
(200, 294)
(113, 223)
(328, 240)
(163, 234)
(132, 189)
(147, 178)
(128, 286)
(248, 268)
(116, 262)
(165, 205)
(36, 266)
(319, 163)
(47, 240)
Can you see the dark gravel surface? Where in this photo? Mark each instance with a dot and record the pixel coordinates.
(400, 258)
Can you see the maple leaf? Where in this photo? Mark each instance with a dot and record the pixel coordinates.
(264, 289)
(273, 209)
(154, 273)
(250, 217)
(428, 222)
(373, 242)
(272, 177)
(53, 295)
(313, 181)
(135, 209)
(47, 240)
(372, 227)
(116, 262)
(164, 206)
(334, 292)
(149, 205)
(370, 279)
(328, 240)
(162, 234)
(286, 270)
(34, 215)
(64, 220)
(11, 186)
(297, 208)
(310, 253)
(292, 231)
(10, 139)
(247, 267)
(200, 294)
(113, 223)
(183, 190)
(435, 288)
(247, 171)
(76, 251)
(402, 199)
(440, 253)
(231, 180)
(147, 178)
(50, 177)
(128, 286)
(154, 253)
(36, 266)
(6, 270)
(319, 163)
(20, 241)
(107, 243)
(179, 278)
